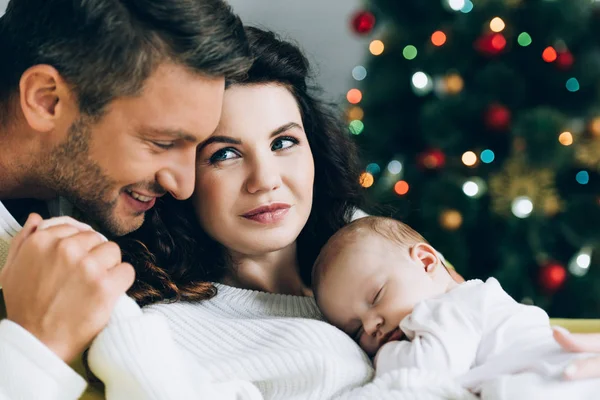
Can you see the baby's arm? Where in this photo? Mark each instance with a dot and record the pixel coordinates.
(442, 338)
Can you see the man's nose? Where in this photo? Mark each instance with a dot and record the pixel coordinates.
(179, 178)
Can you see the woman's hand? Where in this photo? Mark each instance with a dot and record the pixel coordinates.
(588, 343)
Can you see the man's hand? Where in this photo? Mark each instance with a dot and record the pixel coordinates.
(589, 343)
(61, 283)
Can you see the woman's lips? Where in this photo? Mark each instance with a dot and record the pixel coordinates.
(269, 214)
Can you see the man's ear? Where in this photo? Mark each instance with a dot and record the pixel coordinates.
(425, 255)
(43, 97)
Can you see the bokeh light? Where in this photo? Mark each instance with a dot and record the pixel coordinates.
(376, 47)
(354, 96)
(355, 112)
(572, 85)
(451, 219)
(469, 158)
(356, 127)
(522, 207)
(582, 177)
(438, 38)
(456, 5)
(470, 188)
(524, 39)
(487, 156)
(565, 138)
(595, 126)
(373, 169)
(549, 54)
(580, 262)
(410, 52)
(394, 167)
(421, 83)
(468, 7)
(454, 83)
(498, 41)
(359, 72)
(497, 24)
(401, 188)
(366, 180)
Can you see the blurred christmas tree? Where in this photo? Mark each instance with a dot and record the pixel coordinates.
(479, 123)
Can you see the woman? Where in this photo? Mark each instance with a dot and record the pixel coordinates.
(274, 182)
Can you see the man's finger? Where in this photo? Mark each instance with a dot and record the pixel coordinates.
(122, 277)
(47, 223)
(108, 252)
(32, 223)
(85, 241)
(30, 226)
(583, 369)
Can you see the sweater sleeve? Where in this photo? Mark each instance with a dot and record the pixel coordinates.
(443, 337)
(136, 358)
(30, 370)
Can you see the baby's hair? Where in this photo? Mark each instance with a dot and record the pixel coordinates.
(390, 229)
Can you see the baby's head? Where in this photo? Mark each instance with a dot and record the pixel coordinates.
(370, 275)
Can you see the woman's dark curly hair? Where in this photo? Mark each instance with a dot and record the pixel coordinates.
(176, 260)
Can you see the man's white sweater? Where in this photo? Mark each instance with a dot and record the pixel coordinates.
(28, 369)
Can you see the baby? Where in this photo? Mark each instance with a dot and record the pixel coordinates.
(381, 282)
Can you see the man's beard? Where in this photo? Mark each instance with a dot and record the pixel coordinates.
(71, 173)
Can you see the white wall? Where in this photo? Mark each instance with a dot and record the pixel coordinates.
(322, 29)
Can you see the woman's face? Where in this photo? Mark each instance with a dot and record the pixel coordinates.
(255, 174)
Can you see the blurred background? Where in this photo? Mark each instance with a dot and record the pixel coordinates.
(478, 123)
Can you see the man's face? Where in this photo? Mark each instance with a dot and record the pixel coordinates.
(141, 148)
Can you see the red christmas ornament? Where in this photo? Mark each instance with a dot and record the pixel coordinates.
(497, 117)
(363, 22)
(491, 44)
(565, 60)
(432, 159)
(552, 276)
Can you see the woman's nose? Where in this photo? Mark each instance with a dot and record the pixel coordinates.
(264, 176)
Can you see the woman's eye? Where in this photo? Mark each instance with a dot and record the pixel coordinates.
(283, 143)
(222, 155)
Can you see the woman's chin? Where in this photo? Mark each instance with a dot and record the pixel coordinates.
(268, 242)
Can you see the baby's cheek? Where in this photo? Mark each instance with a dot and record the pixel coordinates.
(369, 345)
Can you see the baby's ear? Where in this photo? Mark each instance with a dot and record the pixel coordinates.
(425, 255)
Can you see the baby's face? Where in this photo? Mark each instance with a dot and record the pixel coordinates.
(370, 285)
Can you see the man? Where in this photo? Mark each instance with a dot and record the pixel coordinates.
(102, 103)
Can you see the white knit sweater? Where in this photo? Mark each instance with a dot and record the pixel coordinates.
(242, 340)
(240, 345)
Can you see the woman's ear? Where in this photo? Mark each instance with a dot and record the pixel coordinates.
(426, 256)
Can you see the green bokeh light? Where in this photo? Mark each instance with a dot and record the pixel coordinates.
(356, 127)
(524, 39)
(410, 52)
